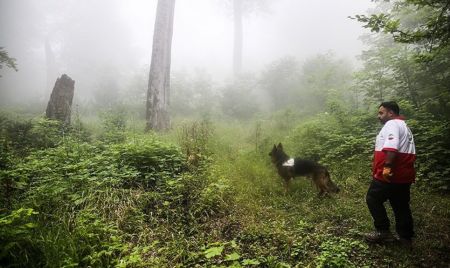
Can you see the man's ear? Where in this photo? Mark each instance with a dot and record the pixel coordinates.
(391, 113)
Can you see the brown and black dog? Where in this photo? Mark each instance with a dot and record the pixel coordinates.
(289, 168)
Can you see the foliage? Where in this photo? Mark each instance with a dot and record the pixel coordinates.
(414, 68)
(206, 195)
(193, 139)
(153, 160)
(6, 60)
(336, 139)
(392, 71)
(114, 125)
(195, 95)
(433, 145)
(239, 100)
(93, 197)
(429, 31)
(280, 81)
(25, 135)
(320, 74)
(337, 252)
(91, 203)
(304, 88)
(385, 67)
(19, 138)
(16, 239)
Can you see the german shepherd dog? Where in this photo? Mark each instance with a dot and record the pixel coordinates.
(289, 168)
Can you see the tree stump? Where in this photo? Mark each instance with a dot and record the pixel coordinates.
(60, 103)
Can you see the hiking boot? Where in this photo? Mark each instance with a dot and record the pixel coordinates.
(379, 237)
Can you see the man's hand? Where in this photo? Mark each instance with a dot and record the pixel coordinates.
(387, 174)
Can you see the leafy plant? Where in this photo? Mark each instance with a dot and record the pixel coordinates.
(154, 160)
(17, 242)
(193, 139)
(339, 253)
(114, 125)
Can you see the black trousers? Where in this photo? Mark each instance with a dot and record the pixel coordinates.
(399, 197)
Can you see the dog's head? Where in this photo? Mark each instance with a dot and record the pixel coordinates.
(277, 153)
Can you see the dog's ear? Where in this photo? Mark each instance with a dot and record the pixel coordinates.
(274, 147)
(280, 146)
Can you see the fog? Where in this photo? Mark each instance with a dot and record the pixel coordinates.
(107, 44)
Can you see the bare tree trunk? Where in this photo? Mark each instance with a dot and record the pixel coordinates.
(237, 52)
(60, 104)
(158, 93)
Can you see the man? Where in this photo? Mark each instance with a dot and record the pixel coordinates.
(393, 173)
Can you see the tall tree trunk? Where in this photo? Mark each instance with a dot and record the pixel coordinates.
(237, 51)
(158, 93)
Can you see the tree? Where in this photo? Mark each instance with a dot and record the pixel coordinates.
(425, 23)
(376, 79)
(158, 94)
(6, 60)
(417, 63)
(280, 82)
(320, 75)
(196, 94)
(240, 8)
(239, 100)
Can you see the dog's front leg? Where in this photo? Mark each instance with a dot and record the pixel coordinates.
(322, 193)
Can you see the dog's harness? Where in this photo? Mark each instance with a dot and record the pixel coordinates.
(288, 163)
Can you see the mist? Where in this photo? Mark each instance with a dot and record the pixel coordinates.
(105, 46)
(170, 133)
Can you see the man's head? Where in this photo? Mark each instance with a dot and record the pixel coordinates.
(387, 111)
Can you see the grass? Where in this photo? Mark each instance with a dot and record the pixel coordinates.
(230, 212)
(306, 228)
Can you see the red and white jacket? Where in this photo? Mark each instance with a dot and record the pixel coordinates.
(395, 136)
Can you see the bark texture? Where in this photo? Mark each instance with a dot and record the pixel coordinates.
(158, 93)
(60, 104)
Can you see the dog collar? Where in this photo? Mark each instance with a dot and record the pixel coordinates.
(289, 163)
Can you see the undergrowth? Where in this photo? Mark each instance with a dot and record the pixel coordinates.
(203, 195)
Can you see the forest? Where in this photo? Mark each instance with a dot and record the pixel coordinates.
(171, 168)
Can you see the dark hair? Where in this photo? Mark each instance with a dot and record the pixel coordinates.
(391, 105)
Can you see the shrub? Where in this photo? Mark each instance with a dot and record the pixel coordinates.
(114, 125)
(25, 135)
(77, 190)
(343, 146)
(155, 161)
(17, 243)
(193, 139)
(433, 151)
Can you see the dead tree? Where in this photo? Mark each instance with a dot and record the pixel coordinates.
(60, 103)
(157, 114)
